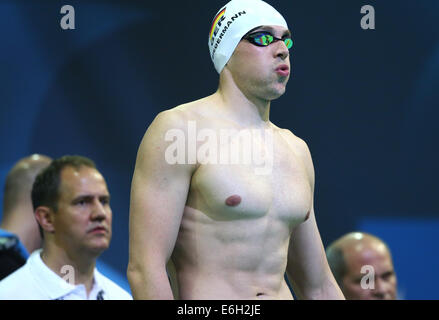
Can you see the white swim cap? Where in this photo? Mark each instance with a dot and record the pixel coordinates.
(233, 21)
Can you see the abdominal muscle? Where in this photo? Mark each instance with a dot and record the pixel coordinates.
(238, 259)
(201, 286)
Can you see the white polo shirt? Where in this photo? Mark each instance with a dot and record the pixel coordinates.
(36, 281)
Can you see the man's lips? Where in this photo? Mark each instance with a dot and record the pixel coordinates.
(98, 229)
(283, 70)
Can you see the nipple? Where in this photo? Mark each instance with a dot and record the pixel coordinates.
(233, 201)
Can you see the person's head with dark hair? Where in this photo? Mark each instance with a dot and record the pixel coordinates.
(45, 189)
(72, 207)
(362, 265)
(18, 214)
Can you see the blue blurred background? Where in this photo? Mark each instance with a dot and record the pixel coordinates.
(365, 101)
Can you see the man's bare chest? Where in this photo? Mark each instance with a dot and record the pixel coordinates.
(271, 181)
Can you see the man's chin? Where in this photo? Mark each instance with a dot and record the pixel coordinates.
(276, 94)
(99, 247)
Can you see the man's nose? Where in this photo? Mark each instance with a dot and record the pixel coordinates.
(99, 211)
(281, 50)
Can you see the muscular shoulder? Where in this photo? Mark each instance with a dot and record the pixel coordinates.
(168, 119)
(169, 127)
(300, 146)
(302, 151)
(179, 116)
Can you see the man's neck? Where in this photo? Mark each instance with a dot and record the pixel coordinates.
(56, 258)
(245, 109)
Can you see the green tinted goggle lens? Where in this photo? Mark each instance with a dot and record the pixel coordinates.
(265, 39)
(288, 42)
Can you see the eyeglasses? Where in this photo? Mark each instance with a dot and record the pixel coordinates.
(265, 38)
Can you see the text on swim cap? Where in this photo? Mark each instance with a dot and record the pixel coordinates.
(223, 32)
(216, 23)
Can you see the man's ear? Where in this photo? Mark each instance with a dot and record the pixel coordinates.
(45, 218)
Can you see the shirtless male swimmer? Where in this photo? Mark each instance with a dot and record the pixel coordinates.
(223, 229)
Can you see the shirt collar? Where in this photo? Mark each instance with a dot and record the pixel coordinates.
(55, 286)
(98, 288)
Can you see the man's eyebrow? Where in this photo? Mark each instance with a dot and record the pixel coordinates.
(82, 197)
(287, 33)
(89, 197)
(106, 197)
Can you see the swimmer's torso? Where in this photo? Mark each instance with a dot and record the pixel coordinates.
(235, 230)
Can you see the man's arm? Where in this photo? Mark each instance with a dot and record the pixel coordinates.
(158, 197)
(307, 267)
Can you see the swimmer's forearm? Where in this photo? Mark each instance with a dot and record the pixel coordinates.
(149, 286)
